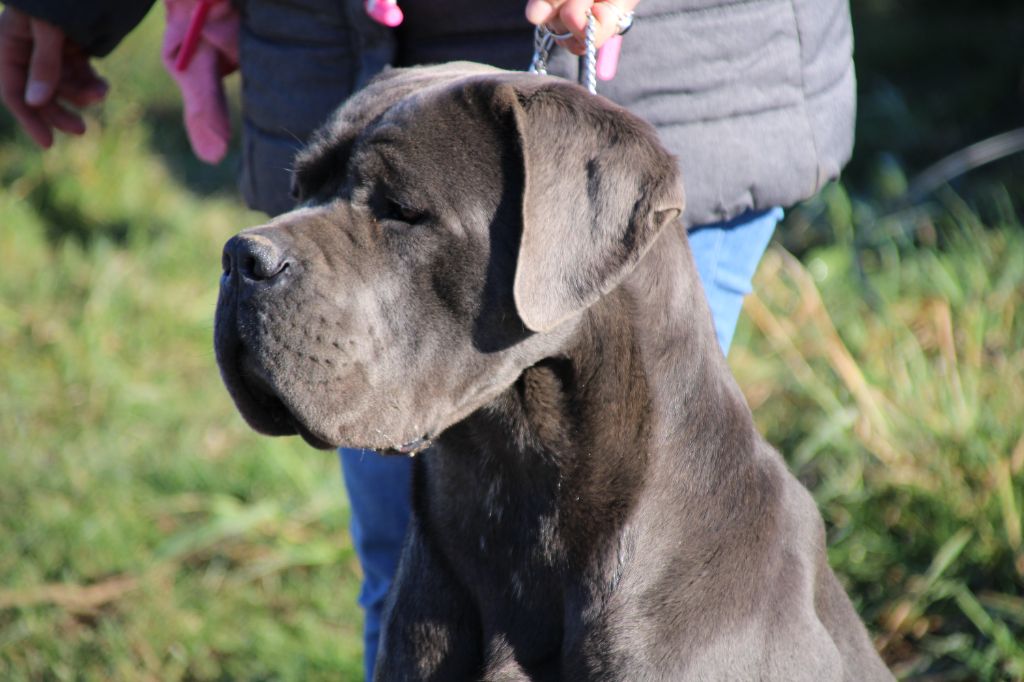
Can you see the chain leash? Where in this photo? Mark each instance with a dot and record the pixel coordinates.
(544, 40)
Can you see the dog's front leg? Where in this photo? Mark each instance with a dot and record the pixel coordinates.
(430, 632)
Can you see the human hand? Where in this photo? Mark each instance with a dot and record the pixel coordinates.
(211, 28)
(564, 16)
(41, 71)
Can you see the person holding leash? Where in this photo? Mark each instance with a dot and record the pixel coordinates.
(755, 98)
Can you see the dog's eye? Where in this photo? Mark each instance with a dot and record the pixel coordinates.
(395, 210)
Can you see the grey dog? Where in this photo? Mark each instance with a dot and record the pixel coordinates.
(493, 264)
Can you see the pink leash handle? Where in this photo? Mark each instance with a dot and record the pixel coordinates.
(608, 58)
(385, 12)
(193, 34)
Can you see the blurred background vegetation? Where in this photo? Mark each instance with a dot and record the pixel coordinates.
(145, 533)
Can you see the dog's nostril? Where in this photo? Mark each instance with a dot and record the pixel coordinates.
(257, 268)
(255, 257)
(225, 261)
(250, 267)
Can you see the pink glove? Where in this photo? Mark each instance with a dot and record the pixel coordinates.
(200, 47)
(386, 12)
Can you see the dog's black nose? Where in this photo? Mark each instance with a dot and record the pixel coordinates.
(253, 257)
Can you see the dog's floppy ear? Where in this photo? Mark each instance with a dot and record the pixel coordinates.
(598, 187)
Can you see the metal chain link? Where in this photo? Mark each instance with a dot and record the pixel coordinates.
(543, 41)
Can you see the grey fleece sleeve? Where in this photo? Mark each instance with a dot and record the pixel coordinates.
(97, 26)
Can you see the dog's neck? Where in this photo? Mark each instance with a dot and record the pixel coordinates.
(694, 391)
(697, 425)
(585, 432)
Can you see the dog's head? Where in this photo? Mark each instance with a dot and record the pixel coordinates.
(453, 223)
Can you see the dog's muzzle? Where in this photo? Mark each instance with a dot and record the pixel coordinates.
(252, 260)
(254, 266)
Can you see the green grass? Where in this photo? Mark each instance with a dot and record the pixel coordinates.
(892, 377)
(146, 533)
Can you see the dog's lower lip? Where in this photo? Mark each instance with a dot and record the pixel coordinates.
(308, 436)
(267, 413)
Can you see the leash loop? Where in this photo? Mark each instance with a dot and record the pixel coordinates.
(543, 41)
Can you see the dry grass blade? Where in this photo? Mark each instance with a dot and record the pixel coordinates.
(873, 406)
(69, 596)
(819, 337)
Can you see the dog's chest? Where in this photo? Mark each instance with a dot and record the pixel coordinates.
(503, 534)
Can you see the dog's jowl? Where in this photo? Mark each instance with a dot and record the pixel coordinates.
(493, 263)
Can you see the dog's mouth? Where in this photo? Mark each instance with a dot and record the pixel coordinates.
(261, 406)
(263, 409)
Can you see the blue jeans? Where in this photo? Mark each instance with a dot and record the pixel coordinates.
(378, 487)
(727, 255)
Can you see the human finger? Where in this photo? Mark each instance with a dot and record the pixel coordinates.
(549, 13)
(30, 120)
(61, 118)
(15, 52)
(570, 16)
(608, 15)
(573, 14)
(44, 69)
(79, 94)
(80, 85)
(540, 12)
